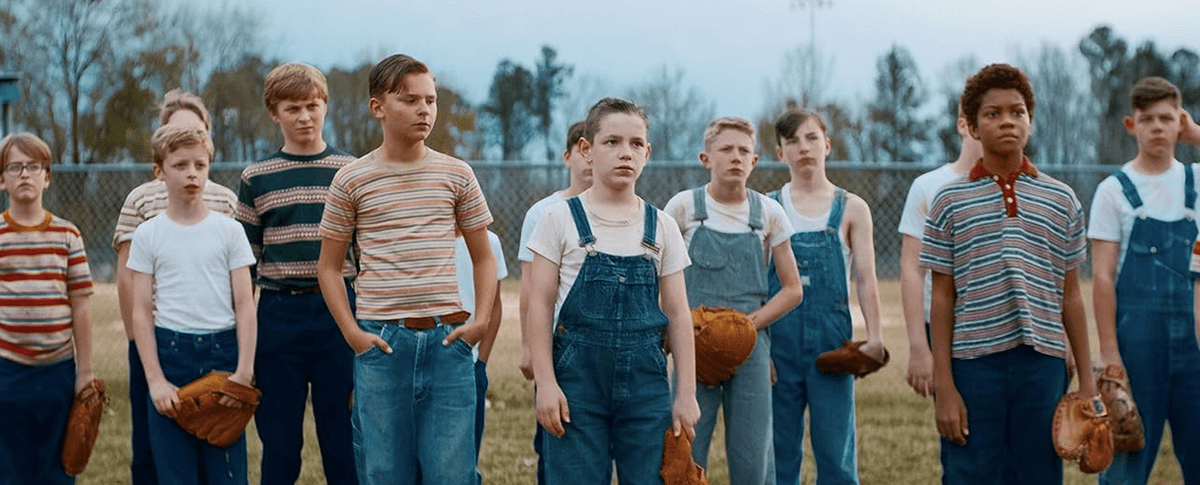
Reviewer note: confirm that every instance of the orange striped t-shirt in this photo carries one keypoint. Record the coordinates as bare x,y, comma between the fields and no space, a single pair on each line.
41,268
404,218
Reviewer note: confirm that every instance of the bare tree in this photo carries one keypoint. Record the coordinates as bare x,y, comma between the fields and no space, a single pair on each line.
677,114
805,73
1066,115
549,76
953,78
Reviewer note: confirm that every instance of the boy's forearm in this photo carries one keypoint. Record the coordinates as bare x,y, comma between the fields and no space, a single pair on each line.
333,286
673,293
912,293
143,330
81,331
941,327
484,263
543,291
1104,298
791,292
246,321
493,329
1075,326
868,301
124,289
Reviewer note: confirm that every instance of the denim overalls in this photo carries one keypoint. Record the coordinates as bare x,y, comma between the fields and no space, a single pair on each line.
729,270
1156,337
821,323
610,365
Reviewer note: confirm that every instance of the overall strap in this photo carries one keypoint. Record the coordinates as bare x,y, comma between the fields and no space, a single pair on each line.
756,217
1131,193
581,223
650,231
699,208
1189,187
835,212
775,194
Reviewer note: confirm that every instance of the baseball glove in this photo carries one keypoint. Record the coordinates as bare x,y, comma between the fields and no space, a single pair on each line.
677,465
848,359
200,412
1123,416
83,425
1081,432
724,339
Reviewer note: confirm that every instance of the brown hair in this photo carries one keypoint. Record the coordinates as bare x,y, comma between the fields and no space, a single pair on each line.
1150,90
789,122
178,99
609,106
169,138
27,143
388,75
293,81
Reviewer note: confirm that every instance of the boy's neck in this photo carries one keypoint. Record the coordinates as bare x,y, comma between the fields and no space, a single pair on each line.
964,162
304,149
1150,165
611,200
732,193
808,180
187,212
574,189
397,151
27,214
1003,164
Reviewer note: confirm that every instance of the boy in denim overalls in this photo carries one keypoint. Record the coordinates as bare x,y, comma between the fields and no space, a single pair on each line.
1143,225
726,227
602,259
828,243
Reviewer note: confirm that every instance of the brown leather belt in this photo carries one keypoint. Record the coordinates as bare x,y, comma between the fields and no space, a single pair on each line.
426,323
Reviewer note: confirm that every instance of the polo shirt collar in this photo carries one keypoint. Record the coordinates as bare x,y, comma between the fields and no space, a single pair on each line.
979,171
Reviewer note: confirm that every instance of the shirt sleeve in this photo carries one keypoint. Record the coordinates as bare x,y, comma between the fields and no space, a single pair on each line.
128,220
680,208
141,258
341,214
240,254
674,251
1076,235
79,276
247,214
471,209
498,251
779,226
1105,222
916,208
532,216
937,248
548,239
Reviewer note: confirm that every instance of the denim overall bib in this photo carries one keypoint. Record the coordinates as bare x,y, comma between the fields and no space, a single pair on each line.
820,323
1156,336
730,270
609,362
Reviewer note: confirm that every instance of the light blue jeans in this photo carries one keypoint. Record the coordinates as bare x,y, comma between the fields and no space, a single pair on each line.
746,401
414,409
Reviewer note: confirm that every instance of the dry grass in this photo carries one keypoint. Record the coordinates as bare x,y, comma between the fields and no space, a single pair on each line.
896,435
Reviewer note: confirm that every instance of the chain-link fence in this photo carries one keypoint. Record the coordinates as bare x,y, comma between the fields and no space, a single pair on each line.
91,196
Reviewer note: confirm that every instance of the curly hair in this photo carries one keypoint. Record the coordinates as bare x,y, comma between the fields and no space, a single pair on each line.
994,76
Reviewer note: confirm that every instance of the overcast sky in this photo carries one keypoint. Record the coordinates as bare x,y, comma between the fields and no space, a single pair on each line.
727,48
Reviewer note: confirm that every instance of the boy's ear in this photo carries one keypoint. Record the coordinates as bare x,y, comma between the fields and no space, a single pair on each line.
828,145
1129,124
158,172
375,105
704,160
585,149
964,128
779,152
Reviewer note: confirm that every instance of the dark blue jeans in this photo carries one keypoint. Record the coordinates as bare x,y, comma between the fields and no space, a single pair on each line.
481,387
299,344
179,457
34,403
141,463
1010,399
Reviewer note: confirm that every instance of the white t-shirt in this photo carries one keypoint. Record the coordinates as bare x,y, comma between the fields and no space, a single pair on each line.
190,266
809,224
916,210
1162,198
556,239
730,218
466,274
532,216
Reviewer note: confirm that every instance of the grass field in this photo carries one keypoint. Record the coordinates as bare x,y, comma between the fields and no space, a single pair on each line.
897,440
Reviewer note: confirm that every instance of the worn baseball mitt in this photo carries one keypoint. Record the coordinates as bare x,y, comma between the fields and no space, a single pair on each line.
677,465
83,425
200,413
724,339
1081,432
1123,416
848,359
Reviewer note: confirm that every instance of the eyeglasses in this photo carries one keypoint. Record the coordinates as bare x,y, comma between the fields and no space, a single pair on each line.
17,168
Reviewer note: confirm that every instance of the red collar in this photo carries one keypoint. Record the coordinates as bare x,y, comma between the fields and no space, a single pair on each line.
1027,168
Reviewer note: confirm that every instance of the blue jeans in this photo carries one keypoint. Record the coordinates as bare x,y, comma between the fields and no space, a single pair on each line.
179,457
414,409
299,344
35,401
1162,359
141,463
746,402
620,403
481,387
830,403
1010,399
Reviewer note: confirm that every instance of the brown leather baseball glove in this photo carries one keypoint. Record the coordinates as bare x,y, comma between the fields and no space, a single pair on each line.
677,465
200,413
724,339
1081,432
83,425
848,359
1123,416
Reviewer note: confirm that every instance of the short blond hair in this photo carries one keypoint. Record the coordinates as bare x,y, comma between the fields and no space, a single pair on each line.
169,138
293,81
715,127
178,99
29,144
